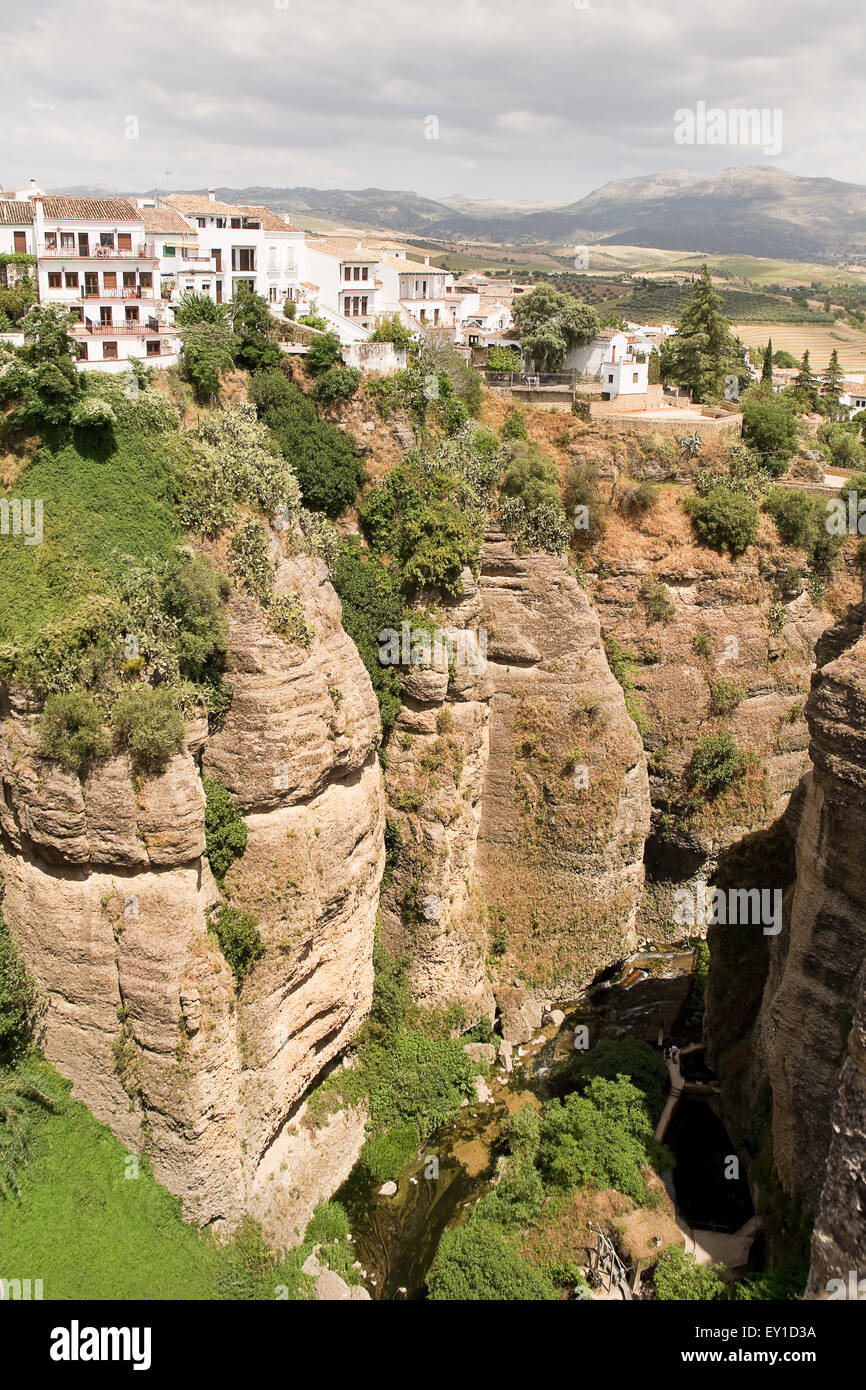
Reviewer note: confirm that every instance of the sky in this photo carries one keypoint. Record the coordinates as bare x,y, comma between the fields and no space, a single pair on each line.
540,100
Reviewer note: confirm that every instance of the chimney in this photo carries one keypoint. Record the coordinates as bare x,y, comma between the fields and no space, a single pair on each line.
33,184
211,193
358,244
426,260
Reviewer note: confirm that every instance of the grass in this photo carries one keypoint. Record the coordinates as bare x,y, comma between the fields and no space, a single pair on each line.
88,1231
96,510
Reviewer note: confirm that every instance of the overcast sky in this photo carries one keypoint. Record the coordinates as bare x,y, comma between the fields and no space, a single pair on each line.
534,99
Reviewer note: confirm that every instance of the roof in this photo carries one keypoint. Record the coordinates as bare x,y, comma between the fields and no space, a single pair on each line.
340,254
15,212
606,335
194,204
162,219
90,210
271,221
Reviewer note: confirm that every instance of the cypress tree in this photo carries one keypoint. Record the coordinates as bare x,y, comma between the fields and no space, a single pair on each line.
703,346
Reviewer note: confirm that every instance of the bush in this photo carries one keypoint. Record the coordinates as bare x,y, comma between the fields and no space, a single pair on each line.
514,426
799,518
504,359
386,1155
207,351
225,830
194,596
328,468
635,502
290,309
657,599
582,490
474,1263
679,1276
71,732
391,330
725,695
322,354
19,1002
313,321
372,602
150,723
91,413
716,763
532,476
642,1064
771,430
336,384
725,520
238,935
598,1139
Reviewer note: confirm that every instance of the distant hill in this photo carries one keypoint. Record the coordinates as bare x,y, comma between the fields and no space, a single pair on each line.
757,211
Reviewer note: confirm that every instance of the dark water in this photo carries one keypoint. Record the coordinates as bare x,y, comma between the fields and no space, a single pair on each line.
703,1150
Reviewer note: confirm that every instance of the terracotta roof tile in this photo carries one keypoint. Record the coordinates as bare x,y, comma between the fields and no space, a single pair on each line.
90,209
15,212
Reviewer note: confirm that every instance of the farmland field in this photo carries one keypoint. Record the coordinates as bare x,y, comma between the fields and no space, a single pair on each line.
819,339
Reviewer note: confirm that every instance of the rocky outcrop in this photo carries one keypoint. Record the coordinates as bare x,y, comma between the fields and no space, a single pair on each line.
519,789
107,891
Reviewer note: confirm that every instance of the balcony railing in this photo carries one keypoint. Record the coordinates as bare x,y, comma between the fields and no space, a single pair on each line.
124,293
94,253
113,330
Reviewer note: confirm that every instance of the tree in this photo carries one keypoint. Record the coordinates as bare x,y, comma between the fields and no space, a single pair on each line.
781,358
255,327
19,1002
678,1276
807,383
725,520
767,369
47,337
391,330
703,346
833,381
207,351
328,466
550,324
532,476
770,428
322,353
199,308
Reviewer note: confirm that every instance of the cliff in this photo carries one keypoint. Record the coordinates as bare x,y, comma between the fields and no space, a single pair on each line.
107,890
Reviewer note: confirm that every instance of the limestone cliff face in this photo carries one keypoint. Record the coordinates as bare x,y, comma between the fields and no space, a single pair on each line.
106,891
521,793
810,1031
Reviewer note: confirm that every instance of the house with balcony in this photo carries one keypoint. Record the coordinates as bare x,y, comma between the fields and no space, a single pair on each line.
348,284
94,260
16,239
182,266
243,246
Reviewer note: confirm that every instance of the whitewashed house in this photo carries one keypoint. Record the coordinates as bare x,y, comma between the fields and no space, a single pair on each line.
16,239
610,345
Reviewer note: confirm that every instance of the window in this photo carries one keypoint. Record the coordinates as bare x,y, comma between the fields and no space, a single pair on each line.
77,312
363,304
365,272
243,258
347,275
169,250
109,280
153,347
50,241
357,273
72,279
129,279
55,279
81,351
105,313
131,312
109,352
67,241
146,280
19,243
236,221
220,221
634,376
201,222
124,241
610,378
107,239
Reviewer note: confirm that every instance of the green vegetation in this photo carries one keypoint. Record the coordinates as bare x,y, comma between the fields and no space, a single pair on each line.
324,458
336,384
801,520
770,428
71,731
716,763
514,425
724,519
238,935
702,349
19,1001
149,722
225,830
725,696
372,602
657,599
391,330
550,324
679,1276
503,359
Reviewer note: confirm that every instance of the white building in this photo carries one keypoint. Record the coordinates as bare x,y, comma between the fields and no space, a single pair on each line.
242,246
626,377
16,239
92,258
610,345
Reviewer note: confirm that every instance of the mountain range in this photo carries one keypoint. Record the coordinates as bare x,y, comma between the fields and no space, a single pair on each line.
754,210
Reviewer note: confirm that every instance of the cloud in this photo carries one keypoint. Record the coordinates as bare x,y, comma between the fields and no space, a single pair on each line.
538,100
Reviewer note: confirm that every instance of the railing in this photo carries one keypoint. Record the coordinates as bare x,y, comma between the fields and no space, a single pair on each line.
94,253
112,330
530,379
137,293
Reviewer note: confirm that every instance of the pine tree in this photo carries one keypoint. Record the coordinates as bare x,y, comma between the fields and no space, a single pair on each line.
702,347
806,382
833,380
767,369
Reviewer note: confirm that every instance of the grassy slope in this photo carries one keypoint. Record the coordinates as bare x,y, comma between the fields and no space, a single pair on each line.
89,524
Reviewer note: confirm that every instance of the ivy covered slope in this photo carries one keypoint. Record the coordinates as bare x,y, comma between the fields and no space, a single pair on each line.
171,659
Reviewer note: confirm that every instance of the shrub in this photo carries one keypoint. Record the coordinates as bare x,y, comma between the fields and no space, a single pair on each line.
725,695
290,309
504,359
324,457
313,321
238,935
19,1002
71,732
207,352
514,426
386,1155
391,330
336,384
679,1276
475,1263
597,1139
250,560
630,1057
194,596
91,413
637,501
770,428
149,722
716,763
372,602
532,476
322,354
225,830
286,616
725,520
799,518
582,490
657,599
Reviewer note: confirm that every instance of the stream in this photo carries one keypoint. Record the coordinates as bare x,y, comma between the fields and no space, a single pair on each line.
396,1238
